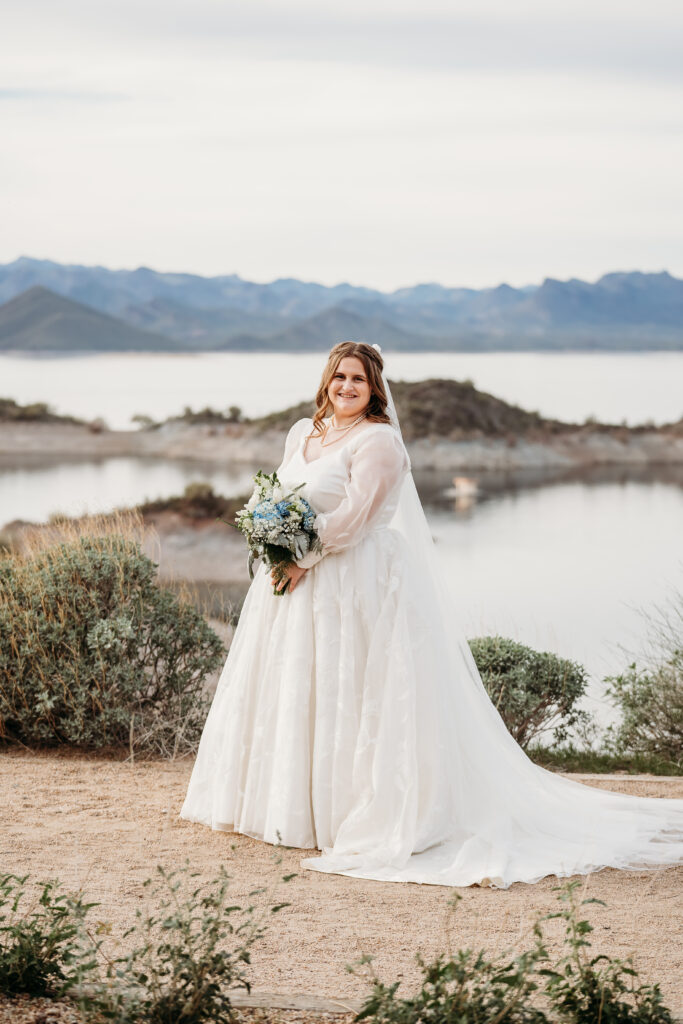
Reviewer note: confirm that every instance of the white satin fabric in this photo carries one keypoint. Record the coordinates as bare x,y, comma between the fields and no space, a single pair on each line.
350,716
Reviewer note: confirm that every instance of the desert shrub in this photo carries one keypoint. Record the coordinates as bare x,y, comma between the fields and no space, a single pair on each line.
467,988
41,952
198,501
470,987
209,415
192,949
650,698
584,989
93,653
40,412
534,691
651,706
144,421
189,949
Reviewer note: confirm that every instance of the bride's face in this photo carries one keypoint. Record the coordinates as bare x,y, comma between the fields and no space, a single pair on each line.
349,390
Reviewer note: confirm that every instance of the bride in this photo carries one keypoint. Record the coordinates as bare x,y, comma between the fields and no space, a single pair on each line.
350,716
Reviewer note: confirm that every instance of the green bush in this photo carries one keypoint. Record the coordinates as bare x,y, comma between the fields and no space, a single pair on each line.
40,949
188,950
469,988
533,691
198,501
191,946
583,989
93,653
651,706
194,948
524,988
40,412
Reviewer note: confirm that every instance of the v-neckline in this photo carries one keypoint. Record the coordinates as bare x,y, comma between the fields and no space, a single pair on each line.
341,447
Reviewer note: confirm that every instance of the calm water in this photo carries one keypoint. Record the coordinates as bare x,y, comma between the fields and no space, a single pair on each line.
570,568
571,386
34,489
568,565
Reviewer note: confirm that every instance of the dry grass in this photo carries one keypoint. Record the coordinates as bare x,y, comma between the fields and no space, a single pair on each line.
44,539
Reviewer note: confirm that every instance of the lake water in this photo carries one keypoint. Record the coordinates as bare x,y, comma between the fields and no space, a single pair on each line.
565,566
573,568
568,565
635,387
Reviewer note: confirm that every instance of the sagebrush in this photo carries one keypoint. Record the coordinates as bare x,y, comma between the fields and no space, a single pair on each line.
649,695
534,691
94,653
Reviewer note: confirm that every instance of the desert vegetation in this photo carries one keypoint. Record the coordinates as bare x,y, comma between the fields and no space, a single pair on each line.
198,501
538,695
205,416
32,412
190,950
94,653
533,691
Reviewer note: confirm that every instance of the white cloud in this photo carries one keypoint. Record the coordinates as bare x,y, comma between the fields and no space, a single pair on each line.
189,137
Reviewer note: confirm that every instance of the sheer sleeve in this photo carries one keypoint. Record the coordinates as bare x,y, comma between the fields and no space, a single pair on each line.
377,466
295,434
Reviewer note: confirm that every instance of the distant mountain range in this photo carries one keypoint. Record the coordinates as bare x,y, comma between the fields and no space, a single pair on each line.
39,320
48,306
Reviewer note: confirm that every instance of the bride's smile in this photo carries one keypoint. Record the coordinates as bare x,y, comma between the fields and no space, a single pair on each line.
349,390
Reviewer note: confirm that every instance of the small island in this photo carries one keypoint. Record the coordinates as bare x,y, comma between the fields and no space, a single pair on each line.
447,425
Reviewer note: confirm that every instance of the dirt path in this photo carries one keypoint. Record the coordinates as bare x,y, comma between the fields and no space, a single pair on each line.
104,825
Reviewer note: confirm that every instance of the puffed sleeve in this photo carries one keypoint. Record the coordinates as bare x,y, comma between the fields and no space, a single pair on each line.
378,463
295,434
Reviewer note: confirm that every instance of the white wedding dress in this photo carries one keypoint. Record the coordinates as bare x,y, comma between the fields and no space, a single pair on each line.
350,716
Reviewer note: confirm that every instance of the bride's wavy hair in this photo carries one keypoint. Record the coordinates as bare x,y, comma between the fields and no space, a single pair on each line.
374,365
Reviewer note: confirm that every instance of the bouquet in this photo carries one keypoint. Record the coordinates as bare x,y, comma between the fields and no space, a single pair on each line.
278,526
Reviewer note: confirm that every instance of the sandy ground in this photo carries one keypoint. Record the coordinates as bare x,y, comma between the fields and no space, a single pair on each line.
103,825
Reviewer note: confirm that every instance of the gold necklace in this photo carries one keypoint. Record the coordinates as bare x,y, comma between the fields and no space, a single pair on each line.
343,430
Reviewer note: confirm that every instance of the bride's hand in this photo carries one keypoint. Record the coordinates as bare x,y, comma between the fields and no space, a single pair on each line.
292,572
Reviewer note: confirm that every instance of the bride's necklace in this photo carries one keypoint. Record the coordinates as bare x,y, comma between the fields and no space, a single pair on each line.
343,430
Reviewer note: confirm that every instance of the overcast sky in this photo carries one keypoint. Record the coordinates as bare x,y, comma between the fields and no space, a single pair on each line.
383,144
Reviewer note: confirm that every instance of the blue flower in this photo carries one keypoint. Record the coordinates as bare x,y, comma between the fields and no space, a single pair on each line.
264,510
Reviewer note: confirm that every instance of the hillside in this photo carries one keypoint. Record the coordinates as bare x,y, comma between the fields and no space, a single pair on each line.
314,333
442,409
619,312
40,320
433,409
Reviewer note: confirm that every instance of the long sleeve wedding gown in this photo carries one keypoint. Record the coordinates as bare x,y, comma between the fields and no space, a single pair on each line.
350,716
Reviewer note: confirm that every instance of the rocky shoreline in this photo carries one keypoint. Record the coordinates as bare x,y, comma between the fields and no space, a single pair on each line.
247,444
208,553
